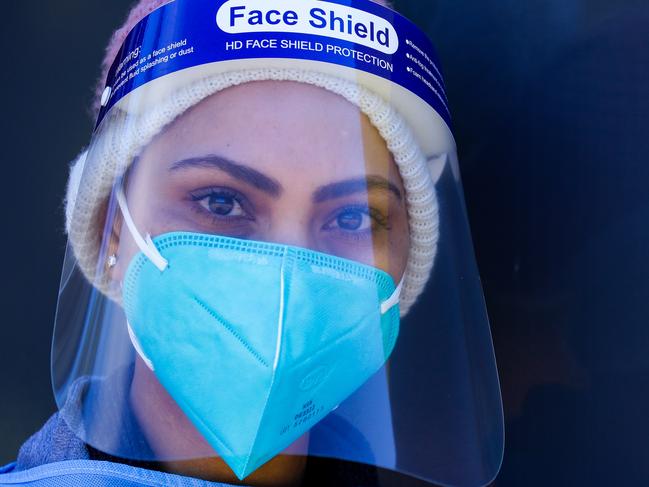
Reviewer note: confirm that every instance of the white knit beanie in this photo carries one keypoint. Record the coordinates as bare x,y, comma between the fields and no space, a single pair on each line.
121,137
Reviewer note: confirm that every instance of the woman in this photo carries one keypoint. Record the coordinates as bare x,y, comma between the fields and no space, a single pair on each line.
245,234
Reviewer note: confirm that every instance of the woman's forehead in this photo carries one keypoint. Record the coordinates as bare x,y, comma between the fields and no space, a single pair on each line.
278,124
279,100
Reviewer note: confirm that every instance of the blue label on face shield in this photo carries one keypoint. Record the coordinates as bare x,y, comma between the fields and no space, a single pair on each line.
357,34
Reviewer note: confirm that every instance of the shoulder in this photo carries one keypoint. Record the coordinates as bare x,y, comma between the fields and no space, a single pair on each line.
80,473
54,442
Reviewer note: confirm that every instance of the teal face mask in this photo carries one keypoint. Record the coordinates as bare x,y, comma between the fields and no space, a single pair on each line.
256,342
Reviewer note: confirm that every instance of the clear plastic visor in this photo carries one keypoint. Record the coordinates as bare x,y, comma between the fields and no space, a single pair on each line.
237,296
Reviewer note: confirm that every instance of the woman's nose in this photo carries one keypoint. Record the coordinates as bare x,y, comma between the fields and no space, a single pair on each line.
294,231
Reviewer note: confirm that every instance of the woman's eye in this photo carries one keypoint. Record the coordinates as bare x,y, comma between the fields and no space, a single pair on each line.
222,205
351,221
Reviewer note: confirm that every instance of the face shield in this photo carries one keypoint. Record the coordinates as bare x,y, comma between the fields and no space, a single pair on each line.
269,264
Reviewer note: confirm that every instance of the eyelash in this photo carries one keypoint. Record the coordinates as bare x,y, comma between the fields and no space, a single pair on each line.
200,194
377,216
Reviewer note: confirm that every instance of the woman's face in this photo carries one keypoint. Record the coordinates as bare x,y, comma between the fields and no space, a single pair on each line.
281,162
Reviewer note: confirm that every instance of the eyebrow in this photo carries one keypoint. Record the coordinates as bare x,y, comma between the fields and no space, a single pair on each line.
351,186
239,171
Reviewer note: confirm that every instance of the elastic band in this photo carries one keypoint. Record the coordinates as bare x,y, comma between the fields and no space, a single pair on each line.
146,245
393,300
138,348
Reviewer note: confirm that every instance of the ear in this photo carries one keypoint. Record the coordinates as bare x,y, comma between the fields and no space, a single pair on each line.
112,247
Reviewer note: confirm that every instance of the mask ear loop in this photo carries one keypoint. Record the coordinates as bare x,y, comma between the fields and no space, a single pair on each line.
145,244
393,300
138,348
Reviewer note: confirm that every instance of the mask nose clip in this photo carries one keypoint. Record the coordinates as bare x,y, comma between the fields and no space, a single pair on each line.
145,244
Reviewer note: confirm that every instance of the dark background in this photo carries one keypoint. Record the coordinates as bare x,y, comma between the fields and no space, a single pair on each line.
551,106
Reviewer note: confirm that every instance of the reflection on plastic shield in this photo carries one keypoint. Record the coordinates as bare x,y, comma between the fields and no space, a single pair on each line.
275,380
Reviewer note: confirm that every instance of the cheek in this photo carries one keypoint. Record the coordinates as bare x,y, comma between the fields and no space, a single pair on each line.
392,249
399,249
125,252
149,218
